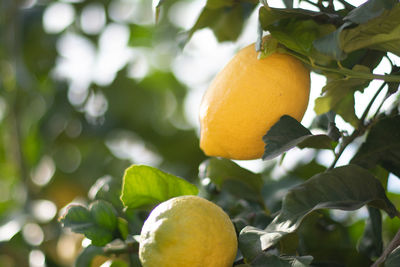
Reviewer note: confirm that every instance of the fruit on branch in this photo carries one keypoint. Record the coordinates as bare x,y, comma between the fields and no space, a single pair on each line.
246,98
188,231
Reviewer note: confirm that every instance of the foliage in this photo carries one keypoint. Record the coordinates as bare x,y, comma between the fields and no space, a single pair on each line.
67,139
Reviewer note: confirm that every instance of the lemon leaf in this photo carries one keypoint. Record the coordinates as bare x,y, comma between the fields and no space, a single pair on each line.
145,185
288,133
226,174
347,188
382,146
394,258
97,223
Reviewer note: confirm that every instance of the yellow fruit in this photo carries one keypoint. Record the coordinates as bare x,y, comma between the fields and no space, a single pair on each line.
246,98
188,231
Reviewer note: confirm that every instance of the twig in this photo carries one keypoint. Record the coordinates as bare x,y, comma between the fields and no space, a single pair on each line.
346,5
359,131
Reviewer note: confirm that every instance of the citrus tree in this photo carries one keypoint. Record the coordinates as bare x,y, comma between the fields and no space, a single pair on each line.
314,214
289,221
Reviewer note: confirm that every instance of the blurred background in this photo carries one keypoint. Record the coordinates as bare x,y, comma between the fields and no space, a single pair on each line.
88,88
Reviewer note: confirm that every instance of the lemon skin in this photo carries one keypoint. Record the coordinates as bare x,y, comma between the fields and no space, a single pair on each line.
188,231
246,98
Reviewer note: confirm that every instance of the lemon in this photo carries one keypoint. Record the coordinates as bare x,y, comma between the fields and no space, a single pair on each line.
187,231
246,98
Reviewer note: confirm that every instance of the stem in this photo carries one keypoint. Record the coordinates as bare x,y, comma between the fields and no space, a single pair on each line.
364,115
392,245
350,73
346,142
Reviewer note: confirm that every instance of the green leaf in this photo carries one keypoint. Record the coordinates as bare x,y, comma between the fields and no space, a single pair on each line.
382,146
119,263
371,243
347,188
381,33
87,255
145,185
98,235
288,133
97,223
227,175
393,260
104,214
123,227
339,96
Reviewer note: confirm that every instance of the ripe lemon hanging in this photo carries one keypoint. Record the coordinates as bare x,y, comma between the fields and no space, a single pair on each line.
188,231
246,98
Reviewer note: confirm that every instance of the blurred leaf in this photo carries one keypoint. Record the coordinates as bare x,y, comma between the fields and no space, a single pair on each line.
371,242
97,223
118,263
230,176
393,260
145,185
288,3
78,218
141,35
381,33
369,10
288,133
306,171
281,261
224,17
382,146
87,255
107,188
329,241
348,188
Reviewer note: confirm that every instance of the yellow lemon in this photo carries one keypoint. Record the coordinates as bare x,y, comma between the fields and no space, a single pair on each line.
188,231
246,98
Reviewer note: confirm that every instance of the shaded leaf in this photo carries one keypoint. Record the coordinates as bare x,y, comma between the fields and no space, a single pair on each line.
330,44
393,260
224,17
347,188
382,146
288,133
381,33
226,174
281,261
369,10
269,16
145,185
